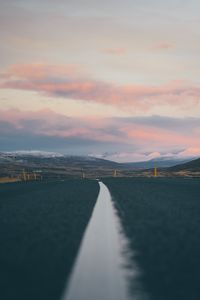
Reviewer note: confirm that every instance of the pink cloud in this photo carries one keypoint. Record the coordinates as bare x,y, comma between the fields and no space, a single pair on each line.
49,123
39,71
158,138
69,82
191,151
162,46
126,132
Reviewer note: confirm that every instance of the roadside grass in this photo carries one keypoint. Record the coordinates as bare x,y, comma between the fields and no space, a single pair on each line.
8,179
41,227
161,218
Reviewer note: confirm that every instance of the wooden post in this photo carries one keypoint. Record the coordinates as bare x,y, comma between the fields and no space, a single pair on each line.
24,175
155,172
115,173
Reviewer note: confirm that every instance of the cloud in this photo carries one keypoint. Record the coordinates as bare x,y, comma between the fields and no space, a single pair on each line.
69,82
190,152
45,130
114,51
48,123
162,46
39,71
181,125
121,139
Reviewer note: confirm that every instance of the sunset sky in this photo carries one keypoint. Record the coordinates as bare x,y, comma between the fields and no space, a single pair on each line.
113,79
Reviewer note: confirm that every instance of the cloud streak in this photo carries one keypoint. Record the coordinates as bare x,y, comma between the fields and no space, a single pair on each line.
128,137
69,82
162,46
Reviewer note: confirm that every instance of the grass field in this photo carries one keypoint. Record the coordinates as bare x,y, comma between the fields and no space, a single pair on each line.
161,218
8,179
41,226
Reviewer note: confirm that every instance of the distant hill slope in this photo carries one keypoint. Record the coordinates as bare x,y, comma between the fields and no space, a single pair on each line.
33,159
51,166
193,165
51,159
159,163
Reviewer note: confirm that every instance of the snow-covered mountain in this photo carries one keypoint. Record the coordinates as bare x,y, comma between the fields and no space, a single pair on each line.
36,153
54,158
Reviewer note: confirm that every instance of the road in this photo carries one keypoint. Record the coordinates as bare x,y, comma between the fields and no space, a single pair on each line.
100,272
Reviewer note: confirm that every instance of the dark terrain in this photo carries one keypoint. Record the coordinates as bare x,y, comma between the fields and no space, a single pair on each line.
193,165
160,217
56,167
13,165
41,227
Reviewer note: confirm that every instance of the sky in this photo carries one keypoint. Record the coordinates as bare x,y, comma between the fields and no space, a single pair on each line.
112,79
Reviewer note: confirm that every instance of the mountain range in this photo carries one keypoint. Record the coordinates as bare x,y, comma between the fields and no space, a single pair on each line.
55,164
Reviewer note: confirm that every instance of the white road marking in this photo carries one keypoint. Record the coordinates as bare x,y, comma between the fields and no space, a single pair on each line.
100,272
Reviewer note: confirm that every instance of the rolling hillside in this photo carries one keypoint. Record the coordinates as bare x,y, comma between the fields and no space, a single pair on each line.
193,166
53,165
13,164
161,162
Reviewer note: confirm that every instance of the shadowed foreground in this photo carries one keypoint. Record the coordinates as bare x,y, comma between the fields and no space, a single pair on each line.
41,227
161,219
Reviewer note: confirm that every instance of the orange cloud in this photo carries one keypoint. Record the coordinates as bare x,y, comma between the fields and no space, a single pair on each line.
69,82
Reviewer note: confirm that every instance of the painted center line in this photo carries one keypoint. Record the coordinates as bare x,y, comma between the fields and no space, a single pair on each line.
100,272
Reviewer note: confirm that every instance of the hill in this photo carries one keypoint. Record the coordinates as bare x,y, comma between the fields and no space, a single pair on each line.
193,166
48,165
161,162
51,166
